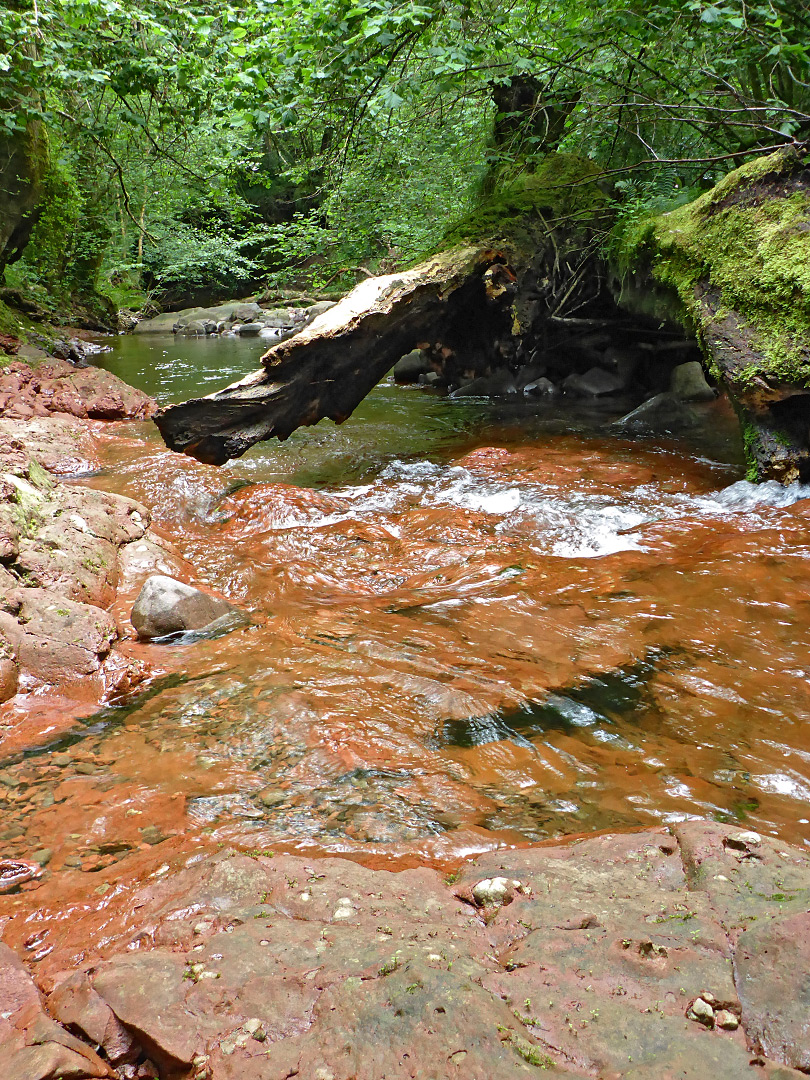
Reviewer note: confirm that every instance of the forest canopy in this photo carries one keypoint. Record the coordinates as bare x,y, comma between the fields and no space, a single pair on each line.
184,151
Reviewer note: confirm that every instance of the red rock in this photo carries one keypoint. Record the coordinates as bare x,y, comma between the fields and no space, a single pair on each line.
76,1004
33,1047
772,965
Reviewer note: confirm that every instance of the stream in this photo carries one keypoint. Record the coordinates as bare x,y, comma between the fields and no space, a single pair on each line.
474,623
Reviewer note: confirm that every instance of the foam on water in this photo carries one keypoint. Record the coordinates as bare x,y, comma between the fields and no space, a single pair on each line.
570,524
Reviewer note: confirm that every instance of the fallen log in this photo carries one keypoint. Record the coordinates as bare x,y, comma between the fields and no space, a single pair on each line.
456,301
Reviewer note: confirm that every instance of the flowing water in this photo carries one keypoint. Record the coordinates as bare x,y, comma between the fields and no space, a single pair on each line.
474,623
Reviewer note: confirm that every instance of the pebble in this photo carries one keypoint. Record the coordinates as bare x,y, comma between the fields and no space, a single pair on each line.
726,1020
345,908
271,797
255,1028
495,891
701,1011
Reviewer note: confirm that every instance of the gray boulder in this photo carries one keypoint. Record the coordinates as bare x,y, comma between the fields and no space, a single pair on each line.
499,384
540,388
529,373
280,318
249,329
411,366
195,328
688,383
167,606
318,309
660,413
245,313
596,382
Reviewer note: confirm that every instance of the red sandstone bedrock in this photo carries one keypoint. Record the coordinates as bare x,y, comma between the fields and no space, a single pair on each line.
66,551
262,968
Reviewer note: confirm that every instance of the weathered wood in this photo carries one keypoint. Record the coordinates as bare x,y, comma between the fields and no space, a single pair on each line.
456,300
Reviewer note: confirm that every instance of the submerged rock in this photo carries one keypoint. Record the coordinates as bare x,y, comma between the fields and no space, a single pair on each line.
660,413
167,606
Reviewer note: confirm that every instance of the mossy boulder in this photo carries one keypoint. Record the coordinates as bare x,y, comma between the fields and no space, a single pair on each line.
734,265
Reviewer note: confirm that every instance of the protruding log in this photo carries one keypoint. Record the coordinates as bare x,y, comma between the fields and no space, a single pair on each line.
459,300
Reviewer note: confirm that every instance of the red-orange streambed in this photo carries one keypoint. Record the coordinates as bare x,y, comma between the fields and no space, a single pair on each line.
512,635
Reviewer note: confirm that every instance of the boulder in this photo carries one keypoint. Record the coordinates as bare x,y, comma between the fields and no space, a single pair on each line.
279,318
245,313
688,383
195,328
540,388
167,606
529,373
596,382
318,309
660,413
498,384
249,329
411,366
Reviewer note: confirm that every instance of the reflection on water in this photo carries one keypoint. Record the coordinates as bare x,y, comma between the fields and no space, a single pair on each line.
472,623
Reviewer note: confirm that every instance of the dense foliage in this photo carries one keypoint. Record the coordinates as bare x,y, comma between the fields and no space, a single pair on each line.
193,149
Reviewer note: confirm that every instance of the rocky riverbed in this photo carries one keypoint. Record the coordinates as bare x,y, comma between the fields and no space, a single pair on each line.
136,946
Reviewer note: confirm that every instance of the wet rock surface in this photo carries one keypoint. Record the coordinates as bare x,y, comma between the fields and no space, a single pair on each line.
55,386
59,568
64,549
630,955
167,606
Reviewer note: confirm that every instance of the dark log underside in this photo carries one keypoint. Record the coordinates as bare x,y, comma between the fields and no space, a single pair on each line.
458,301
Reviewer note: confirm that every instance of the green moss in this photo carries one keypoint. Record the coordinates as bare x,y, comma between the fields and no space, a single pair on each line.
10,322
38,476
561,190
753,251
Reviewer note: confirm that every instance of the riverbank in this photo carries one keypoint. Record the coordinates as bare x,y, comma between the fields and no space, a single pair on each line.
71,557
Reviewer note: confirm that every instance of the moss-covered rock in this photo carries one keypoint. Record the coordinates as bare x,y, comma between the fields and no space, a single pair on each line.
735,265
